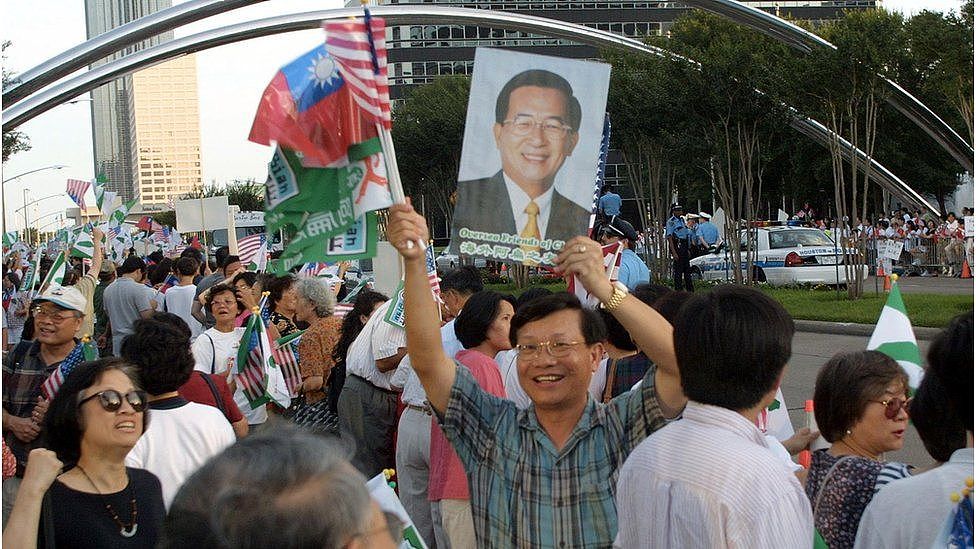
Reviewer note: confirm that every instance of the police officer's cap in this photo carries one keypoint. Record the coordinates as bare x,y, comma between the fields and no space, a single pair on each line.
622,228
676,206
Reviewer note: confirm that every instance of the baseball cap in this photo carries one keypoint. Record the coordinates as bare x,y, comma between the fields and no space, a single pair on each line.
621,227
704,215
66,297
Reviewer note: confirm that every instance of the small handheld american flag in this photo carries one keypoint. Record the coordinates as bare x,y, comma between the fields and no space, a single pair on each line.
435,283
81,353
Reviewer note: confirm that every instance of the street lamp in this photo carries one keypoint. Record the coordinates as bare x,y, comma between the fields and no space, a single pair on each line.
18,176
31,203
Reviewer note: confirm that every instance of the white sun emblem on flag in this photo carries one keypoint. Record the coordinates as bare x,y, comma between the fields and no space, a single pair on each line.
324,71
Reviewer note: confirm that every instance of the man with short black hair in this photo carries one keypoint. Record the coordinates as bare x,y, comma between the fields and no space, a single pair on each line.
179,299
127,300
182,435
710,480
544,476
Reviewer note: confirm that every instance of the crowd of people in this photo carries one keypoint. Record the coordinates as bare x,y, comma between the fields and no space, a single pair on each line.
527,421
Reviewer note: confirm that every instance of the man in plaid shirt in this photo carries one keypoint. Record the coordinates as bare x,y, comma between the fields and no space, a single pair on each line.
58,314
545,476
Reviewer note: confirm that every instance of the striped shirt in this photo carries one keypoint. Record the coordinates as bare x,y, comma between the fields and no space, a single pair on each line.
710,480
525,492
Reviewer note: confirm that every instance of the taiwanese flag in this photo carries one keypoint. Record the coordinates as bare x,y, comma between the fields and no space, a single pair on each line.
307,107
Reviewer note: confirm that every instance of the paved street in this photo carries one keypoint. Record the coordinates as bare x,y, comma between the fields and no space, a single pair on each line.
928,285
810,352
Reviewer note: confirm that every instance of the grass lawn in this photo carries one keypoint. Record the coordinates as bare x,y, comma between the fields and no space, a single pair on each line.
932,310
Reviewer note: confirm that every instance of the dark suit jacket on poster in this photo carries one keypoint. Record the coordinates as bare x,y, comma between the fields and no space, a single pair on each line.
484,205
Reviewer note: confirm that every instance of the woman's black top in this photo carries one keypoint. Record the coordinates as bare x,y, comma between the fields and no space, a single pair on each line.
80,520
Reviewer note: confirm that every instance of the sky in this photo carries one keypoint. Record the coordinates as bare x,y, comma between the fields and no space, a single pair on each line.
231,79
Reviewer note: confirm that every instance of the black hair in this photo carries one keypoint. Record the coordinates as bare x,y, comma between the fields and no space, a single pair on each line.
617,335
951,358
530,294
174,321
649,293
156,256
670,303
591,325
481,309
162,353
192,253
187,266
162,270
940,429
731,344
351,324
845,386
542,79
464,280
219,289
249,278
63,428
228,261
131,265
276,287
221,254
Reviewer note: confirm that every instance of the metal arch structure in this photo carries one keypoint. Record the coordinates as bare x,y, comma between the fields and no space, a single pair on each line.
194,10
41,101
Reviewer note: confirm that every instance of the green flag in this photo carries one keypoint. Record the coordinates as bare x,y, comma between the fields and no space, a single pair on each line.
893,336
123,210
30,275
9,239
55,275
84,246
355,242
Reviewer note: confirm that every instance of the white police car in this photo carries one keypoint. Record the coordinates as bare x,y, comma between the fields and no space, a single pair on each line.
784,255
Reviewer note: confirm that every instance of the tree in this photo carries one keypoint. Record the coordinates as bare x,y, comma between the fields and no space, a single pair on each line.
13,141
428,131
247,194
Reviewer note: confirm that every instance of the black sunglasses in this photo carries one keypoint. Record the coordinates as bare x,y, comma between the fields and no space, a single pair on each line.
111,400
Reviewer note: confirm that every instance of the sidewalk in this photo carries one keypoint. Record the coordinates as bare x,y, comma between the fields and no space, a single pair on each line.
854,329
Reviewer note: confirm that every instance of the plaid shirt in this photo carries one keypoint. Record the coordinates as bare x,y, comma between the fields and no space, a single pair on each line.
21,387
524,492
624,373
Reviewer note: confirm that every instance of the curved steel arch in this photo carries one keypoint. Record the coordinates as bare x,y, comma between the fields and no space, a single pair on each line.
771,25
42,101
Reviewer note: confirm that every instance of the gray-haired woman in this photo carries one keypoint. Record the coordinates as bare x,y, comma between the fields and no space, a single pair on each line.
314,303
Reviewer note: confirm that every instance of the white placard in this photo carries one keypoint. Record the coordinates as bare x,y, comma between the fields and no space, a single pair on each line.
201,214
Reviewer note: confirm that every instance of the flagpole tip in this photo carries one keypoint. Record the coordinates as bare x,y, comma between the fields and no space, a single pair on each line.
894,278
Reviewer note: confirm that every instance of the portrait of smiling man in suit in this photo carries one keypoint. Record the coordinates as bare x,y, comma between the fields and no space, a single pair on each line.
536,129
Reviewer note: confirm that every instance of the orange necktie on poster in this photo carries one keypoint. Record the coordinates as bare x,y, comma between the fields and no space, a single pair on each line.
531,229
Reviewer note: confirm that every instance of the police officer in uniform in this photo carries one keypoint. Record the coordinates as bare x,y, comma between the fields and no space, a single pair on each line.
680,238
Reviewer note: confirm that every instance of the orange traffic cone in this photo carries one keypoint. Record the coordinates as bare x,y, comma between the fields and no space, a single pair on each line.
887,283
965,270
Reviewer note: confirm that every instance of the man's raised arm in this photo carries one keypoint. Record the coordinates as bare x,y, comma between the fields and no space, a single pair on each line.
650,331
407,231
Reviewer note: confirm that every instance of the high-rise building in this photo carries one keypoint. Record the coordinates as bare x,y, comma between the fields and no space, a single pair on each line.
145,126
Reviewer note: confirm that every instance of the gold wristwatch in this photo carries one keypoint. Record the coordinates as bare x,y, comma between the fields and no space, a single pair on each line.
620,291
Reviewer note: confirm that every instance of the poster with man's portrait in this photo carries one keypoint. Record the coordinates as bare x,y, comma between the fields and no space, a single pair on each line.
530,155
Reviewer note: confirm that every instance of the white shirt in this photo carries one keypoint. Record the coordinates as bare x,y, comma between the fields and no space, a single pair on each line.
709,480
519,200
179,301
910,512
181,437
214,352
404,375
378,340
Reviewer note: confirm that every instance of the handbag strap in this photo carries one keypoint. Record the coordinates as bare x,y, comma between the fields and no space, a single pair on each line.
823,484
216,394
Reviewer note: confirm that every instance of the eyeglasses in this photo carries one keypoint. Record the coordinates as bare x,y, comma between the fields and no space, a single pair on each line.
893,406
556,349
111,400
54,315
225,302
523,124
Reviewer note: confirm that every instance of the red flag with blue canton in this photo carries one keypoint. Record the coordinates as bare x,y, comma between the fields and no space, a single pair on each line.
308,108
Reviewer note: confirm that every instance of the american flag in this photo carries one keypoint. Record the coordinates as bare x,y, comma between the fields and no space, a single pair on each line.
342,309
79,354
248,246
76,190
361,55
435,283
252,361
160,233
284,357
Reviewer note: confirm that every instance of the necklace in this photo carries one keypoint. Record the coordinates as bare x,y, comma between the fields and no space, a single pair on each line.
124,531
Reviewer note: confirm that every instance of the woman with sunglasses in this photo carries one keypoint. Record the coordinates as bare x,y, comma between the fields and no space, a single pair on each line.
97,416
861,407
